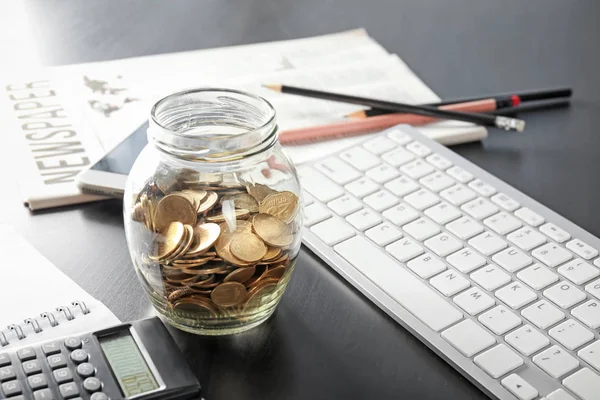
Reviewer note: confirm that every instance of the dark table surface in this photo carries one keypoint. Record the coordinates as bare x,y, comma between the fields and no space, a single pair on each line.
327,341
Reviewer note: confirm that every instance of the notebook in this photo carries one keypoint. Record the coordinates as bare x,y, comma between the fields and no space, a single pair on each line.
39,303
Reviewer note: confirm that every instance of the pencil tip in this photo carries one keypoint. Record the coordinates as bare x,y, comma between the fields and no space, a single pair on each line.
357,114
274,87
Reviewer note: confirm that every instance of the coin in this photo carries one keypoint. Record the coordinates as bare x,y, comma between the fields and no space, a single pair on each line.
240,275
223,217
257,294
222,249
282,205
228,294
205,235
195,304
238,225
197,195
272,254
174,208
185,243
208,203
258,191
272,230
179,293
219,269
171,239
242,200
261,272
276,272
247,247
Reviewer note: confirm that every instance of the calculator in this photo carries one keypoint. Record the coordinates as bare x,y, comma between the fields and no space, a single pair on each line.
137,360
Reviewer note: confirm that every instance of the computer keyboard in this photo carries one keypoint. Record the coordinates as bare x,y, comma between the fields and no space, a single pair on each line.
501,287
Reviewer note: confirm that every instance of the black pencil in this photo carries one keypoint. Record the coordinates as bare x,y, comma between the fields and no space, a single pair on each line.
506,123
540,105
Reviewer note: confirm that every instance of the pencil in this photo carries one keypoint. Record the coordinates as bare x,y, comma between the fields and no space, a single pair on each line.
509,124
504,100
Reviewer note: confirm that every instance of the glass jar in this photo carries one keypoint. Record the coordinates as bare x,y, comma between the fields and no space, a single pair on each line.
213,211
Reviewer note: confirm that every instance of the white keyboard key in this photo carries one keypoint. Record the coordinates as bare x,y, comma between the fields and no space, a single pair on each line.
555,233
465,227
398,156
588,313
402,186
559,394
363,219
526,238
516,295
571,334
399,137
345,205
488,243
552,254
498,361
419,149
466,260
499,320
337,170
537,276
442,213
502,223
564,294
482,187
417,169
505,201
582,249
527,340
460,174
382,173
519,387
449,283
594,288
308,199
422,199
443,244
361,187
359,158
474,301
314,213
421,229
404,249
556,361
426,265
437,181
543,314
591,354
468,338
479,208
458,194
530,217
401,214
399,283
439,161
317,184
584,383
379,145
332,231
381,200
512,259
384,234
578,271
490,277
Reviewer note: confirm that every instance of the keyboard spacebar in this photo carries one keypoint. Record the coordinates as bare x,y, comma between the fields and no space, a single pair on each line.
398,283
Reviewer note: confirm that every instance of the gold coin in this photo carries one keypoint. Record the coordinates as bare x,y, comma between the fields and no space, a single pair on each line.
276,272
197,195
205,236
256,294
170,240
240,275
272,230
203,280
259,192
195,304
208,203
261,273
219,269
179,293
242,200
282,205
185,243
223,250
228,294
247,247
222,217
237,226
272,254
174,208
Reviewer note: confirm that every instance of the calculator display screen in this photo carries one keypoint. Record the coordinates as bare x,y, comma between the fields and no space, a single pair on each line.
128,364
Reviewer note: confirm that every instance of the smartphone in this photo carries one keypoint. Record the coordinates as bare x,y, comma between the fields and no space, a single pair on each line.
107,177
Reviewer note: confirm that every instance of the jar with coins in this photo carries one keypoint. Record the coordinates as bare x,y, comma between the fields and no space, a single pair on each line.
213,211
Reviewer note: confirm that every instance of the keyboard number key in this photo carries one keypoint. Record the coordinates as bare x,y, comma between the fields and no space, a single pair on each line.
439,161
419,149
506,202
530,217
384,234
460,174
582,249
527,238
458,194
578,271
482,188
552,254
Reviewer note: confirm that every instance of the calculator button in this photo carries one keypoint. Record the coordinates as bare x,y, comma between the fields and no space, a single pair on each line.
68,390
4,359
51,348
73,343
57,361
99,396
32,367
63,375
79,356
26,353
85,370
37,382
11,388
44,394
7,374
92,384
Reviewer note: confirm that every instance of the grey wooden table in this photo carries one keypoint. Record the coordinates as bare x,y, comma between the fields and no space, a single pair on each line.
326,341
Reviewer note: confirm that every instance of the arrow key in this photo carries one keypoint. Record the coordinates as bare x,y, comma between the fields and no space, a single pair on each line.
519,387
